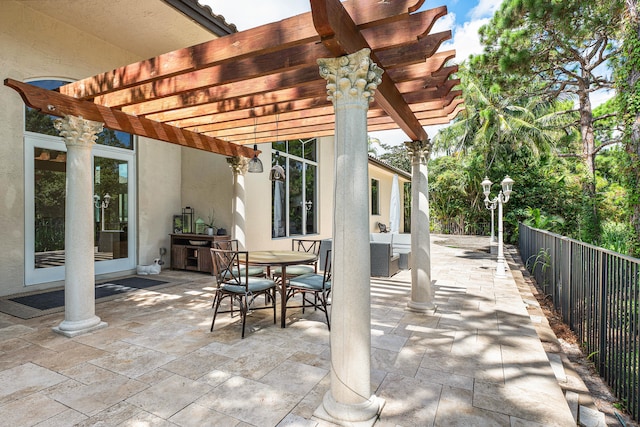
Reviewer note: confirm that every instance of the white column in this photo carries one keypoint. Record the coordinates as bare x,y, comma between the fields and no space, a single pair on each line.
352,80
421,290
79,287
239,167
501,266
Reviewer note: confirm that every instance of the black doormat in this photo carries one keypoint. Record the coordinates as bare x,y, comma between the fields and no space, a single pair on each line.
33,305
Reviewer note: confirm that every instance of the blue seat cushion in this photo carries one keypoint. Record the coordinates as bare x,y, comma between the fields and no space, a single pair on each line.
253,271
256,284
313,282
296,270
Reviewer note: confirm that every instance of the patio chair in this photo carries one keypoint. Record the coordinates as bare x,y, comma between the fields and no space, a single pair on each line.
317,284
232,245
301,245
237,286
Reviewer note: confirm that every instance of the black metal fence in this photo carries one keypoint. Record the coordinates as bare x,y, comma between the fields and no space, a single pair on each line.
596,292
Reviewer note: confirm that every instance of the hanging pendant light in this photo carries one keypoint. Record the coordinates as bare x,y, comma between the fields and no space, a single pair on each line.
255,165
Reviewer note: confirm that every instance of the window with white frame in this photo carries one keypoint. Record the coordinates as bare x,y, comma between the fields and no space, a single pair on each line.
294,188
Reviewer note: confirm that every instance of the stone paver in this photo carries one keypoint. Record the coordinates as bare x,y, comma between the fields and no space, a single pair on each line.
477,361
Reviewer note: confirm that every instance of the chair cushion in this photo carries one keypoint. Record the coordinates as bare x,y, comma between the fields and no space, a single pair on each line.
313,282
253,271
295,270
256,284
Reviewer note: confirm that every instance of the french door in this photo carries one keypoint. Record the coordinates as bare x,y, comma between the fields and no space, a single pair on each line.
45,195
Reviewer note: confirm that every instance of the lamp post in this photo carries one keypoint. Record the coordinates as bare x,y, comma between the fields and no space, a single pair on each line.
102,206
492,208
499,200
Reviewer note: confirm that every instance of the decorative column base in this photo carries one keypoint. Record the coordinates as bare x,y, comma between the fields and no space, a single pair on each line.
364,414
422,307
72,329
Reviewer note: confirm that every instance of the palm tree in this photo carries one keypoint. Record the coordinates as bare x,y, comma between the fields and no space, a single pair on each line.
499,126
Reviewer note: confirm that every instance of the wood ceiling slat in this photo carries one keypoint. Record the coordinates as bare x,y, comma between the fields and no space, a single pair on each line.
207,95
388,35
271,37
238,114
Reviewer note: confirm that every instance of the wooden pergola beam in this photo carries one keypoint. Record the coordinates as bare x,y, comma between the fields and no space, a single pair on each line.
57,104
340,35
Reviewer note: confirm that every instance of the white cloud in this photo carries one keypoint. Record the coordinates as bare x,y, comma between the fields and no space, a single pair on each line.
485,9
466,40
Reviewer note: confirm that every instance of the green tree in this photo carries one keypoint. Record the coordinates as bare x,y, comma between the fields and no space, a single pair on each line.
627,66
562,46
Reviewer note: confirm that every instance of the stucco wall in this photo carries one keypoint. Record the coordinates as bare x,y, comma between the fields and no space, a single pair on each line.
34,46
207,184
385,177
159,190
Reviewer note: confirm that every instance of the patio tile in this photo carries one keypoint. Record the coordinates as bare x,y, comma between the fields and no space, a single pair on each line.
250,401
476,361
166,398
409,401
197,415
26,379
133,361
299,378
456,409
41,408
196,364
94,397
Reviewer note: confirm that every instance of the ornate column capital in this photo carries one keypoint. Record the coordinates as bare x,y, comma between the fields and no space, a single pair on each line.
238,164
352,77
418,150
77,131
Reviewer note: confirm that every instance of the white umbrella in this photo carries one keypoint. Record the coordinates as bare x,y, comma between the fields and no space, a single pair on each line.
394,207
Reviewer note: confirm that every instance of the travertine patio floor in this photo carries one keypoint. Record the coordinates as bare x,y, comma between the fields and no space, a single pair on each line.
477,361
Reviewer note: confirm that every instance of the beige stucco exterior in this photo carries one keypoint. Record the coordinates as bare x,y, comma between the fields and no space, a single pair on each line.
169,177
385,177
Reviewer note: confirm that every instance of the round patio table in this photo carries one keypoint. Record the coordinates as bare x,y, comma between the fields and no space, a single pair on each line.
281,259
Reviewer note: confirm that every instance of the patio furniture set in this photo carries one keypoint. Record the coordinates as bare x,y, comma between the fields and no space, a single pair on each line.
390,253
242,276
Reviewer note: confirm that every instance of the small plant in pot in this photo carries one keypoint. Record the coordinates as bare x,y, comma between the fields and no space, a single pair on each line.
210,224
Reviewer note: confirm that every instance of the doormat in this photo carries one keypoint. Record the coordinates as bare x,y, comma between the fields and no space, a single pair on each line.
40,304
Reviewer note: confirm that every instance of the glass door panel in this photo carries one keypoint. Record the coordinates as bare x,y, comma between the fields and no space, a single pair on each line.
111,216
49,177
310,198
296,196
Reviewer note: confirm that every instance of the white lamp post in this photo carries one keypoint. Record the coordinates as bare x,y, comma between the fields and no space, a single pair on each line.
502,197
105,204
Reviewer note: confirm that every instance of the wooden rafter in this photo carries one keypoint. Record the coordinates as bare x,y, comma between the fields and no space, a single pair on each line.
263,83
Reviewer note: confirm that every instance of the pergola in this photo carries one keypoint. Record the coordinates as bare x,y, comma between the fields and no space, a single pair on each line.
378,62
261,84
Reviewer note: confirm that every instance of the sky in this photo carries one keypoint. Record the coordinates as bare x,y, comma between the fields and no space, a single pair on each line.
464,19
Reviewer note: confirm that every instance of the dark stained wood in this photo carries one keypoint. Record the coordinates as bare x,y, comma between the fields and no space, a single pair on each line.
51,102
339,33
264,84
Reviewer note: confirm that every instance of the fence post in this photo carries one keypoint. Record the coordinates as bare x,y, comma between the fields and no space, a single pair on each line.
602,326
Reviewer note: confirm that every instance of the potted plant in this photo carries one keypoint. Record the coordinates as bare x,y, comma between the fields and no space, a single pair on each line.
210,224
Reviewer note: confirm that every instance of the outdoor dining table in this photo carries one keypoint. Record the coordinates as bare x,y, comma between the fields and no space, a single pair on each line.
281,259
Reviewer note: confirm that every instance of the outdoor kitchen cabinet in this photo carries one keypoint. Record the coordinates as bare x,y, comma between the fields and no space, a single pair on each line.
191,251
